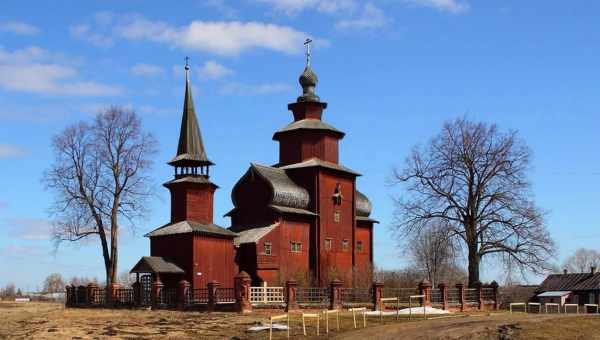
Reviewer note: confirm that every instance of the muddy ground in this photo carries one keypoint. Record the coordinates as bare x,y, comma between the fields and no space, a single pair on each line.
53,321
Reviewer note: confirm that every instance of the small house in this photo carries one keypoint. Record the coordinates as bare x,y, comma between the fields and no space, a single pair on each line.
576,288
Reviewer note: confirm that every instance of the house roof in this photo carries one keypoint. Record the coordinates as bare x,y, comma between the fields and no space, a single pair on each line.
156,264
185,227
308,124
570,281
190,150
253,235
554,294
315,162
285,192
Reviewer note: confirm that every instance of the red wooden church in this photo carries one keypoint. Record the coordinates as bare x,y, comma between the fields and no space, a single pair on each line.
302,218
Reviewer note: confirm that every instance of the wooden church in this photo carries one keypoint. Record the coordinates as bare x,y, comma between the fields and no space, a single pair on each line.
302,218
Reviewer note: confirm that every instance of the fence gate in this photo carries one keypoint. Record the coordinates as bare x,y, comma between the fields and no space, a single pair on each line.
146,290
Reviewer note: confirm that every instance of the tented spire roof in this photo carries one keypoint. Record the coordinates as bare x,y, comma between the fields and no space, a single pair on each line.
190,151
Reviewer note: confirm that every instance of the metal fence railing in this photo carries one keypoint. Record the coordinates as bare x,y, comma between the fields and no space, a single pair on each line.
124,296
471,296
197,296
312,295
487,295
402,293
225,295
436,297
454,297
356,295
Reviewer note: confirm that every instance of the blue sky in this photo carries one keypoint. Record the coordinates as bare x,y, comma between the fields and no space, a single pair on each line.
392,72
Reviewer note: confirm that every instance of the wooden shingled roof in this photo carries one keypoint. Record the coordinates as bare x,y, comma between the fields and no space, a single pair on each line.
156,264
570,281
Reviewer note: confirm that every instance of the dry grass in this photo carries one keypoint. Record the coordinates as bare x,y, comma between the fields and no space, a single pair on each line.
53,321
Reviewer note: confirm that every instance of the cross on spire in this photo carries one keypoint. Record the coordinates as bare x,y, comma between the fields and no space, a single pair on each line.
307,44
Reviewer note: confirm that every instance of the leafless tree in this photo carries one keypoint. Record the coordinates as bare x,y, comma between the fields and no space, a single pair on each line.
54,283
582,260
100,177
472,179
434,254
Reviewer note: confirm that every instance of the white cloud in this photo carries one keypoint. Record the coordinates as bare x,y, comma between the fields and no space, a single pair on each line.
452,6
11,151
370,17
85,33
147,70
293,7
18,27
220,37
213,70
235,88
32,70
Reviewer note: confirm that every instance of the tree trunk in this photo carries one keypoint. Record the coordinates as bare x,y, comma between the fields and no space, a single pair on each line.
474,259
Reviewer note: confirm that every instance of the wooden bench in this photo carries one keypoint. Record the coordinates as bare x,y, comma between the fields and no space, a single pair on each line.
363,310
326,316
278,318
310,316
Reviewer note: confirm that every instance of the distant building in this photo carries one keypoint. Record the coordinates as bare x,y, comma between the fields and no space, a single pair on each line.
575,288
302,218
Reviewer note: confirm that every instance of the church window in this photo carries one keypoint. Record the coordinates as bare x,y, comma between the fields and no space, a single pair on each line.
336,216
359,246
267,248
328,244
295,247
345,244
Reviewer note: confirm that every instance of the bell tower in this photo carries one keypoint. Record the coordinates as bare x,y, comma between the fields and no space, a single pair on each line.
191,190
308,136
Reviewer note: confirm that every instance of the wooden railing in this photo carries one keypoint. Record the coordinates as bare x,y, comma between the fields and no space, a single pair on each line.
267,295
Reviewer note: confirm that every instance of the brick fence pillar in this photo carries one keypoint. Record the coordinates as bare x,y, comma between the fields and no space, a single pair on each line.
91,293
425,290
68,296
377,295
335,294
479,286
444,293
157,287
212,294
291,287
494,286
242,292
82,295
114,296
461,296
183,288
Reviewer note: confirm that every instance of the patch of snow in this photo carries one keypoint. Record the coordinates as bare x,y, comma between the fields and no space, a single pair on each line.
413,311
276,327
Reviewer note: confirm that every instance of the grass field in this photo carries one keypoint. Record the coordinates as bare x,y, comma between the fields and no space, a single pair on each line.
53,321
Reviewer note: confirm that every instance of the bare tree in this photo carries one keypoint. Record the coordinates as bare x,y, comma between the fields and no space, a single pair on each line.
472,179
99,176
434,254
54,283
582,260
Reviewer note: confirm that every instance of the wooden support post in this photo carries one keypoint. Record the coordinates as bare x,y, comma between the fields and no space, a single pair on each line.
444,293
461,296
212,295
291,287
377,295
68,296
242,292
335,294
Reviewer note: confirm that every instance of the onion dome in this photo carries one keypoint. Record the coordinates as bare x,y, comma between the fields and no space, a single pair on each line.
308,80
